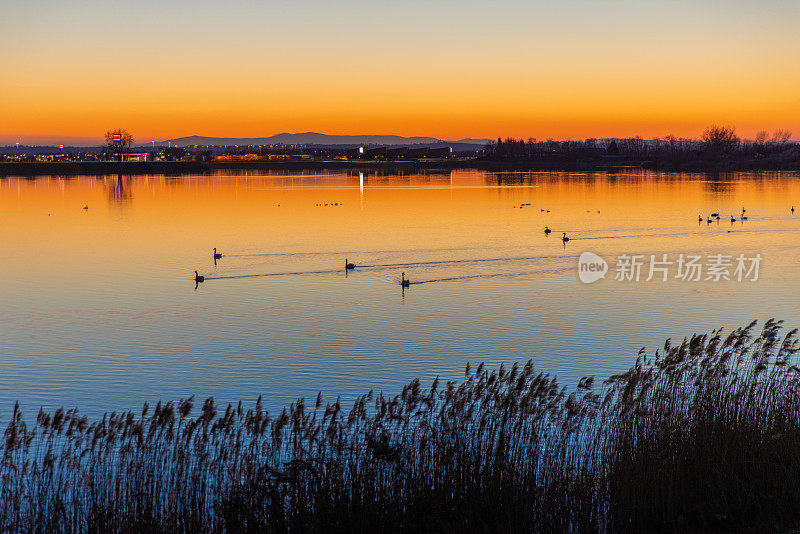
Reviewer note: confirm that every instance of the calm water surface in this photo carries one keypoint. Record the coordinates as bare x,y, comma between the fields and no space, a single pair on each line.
99,309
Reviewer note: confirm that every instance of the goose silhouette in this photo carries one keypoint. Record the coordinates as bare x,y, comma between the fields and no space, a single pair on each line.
547,230
348,265
403,281
216,254
198,278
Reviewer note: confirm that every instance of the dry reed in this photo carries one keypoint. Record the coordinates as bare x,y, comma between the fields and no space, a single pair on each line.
703,434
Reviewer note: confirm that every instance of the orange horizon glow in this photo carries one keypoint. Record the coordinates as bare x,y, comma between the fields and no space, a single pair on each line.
463,70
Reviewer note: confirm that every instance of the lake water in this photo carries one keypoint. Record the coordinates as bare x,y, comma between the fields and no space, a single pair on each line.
99,308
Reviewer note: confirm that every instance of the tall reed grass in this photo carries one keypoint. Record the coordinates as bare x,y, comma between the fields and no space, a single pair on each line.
703,434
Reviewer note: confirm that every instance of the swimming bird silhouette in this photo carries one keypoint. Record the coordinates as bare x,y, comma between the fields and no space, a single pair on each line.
547,230
792,209
565,238
744,217
403,281
86,207
199,277
715,214
348,265
700,218
732,219
216,254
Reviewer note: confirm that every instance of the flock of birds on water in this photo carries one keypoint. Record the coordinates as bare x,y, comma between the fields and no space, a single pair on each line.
404,282
348,266
716,216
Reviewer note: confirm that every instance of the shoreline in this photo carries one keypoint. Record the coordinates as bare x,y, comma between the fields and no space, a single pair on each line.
177,168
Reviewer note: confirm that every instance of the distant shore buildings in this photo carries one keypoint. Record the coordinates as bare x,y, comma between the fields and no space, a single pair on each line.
399,153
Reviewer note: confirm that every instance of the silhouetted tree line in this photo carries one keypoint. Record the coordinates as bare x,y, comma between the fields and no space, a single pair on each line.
719,147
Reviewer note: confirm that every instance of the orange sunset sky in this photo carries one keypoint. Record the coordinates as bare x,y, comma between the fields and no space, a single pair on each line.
443,68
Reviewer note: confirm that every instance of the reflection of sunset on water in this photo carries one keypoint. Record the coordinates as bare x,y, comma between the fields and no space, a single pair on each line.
111,288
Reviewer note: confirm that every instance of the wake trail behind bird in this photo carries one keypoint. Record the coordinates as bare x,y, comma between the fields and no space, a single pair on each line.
362,274
722,225
450,262
489,275
462,261
739,226
361,268
261,275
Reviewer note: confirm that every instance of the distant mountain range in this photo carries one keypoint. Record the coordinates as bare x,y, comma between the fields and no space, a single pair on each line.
318,139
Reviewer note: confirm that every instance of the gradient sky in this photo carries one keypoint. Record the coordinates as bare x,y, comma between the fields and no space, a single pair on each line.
444,68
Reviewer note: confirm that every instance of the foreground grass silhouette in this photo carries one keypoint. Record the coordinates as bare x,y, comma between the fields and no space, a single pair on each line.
704,434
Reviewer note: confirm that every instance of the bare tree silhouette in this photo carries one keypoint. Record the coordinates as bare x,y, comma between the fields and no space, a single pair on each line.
721,139
781,136
118,141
